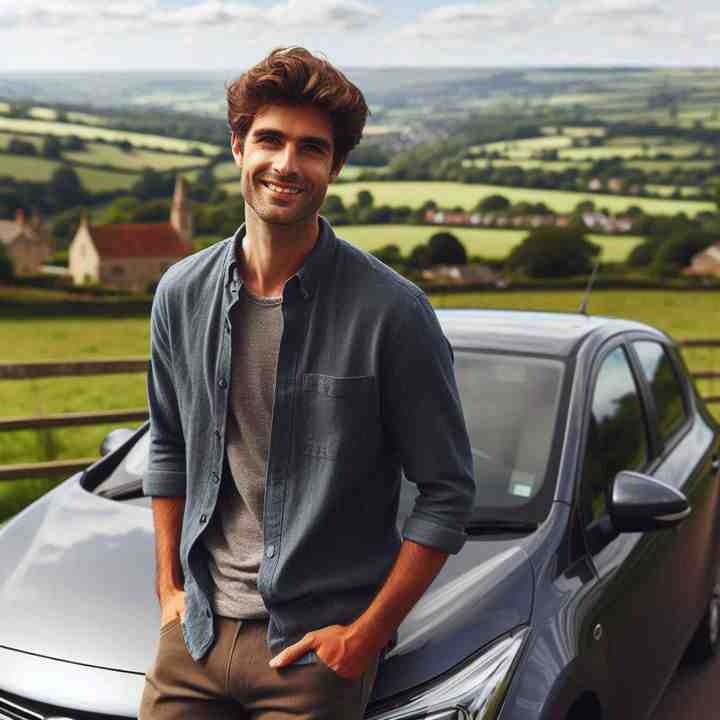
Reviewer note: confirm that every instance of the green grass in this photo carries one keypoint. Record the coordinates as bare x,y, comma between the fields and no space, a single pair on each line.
46,127
668,190
4,107
449,194
626,151
87,118
491,243
6,137
27,167
682,314
549,165
135,159
105,180
43,113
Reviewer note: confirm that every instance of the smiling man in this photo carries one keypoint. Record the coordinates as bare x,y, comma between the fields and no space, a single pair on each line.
293,377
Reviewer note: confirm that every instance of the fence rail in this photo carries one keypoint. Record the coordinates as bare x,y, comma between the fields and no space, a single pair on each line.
25,371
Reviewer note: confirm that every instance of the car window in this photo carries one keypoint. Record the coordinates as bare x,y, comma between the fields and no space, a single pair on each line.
665,386
510,405
617,437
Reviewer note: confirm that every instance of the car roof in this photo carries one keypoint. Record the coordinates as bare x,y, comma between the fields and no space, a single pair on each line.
541,333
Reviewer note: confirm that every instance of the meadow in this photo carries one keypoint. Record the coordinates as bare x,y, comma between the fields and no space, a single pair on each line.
451,194
134,160
491,243
87,132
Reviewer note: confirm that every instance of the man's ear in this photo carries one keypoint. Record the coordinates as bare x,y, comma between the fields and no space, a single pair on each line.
236,148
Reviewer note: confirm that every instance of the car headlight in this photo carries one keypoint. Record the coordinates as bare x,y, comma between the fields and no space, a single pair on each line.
475,691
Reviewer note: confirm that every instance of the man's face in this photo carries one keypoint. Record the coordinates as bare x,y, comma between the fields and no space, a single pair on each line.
286,163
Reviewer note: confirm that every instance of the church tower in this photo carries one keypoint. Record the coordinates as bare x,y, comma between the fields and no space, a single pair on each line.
180,213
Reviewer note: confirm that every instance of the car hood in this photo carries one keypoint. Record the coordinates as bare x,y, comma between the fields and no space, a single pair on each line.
79,587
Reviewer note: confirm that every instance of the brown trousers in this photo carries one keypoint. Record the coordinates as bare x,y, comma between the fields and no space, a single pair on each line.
234,681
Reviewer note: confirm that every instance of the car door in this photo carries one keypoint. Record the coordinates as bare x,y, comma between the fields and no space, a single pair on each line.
685,462
631,613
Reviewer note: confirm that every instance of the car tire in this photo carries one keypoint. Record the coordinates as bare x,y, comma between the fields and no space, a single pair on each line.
705,641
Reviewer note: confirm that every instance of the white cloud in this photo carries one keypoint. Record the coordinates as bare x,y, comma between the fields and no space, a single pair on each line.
471,23
147,14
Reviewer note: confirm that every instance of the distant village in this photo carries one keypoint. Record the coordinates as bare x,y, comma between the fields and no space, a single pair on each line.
133,256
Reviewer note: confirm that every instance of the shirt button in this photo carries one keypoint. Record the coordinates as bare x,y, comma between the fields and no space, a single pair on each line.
215,478
270,551
222,382
203,518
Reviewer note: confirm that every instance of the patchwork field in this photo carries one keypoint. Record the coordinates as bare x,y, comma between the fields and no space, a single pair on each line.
44,127
489,243
449,194
27,167
135,159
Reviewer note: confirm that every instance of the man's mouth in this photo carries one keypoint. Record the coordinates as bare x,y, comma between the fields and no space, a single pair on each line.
283,189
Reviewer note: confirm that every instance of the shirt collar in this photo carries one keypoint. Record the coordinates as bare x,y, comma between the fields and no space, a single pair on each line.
312,270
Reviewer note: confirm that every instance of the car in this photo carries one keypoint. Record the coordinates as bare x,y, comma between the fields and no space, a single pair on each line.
590,569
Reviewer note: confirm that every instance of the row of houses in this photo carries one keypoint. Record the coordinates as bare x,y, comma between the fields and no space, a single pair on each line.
593,220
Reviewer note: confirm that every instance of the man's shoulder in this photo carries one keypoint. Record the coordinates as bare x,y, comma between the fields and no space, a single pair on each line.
360,267
193,271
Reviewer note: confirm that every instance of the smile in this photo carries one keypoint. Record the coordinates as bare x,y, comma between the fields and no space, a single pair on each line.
285,190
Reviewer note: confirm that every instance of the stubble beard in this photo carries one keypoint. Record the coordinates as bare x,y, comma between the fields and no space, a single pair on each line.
278,214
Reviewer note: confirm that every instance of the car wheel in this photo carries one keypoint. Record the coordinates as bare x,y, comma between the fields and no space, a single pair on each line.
704,643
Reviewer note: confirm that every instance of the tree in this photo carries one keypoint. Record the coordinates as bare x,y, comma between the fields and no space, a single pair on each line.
51,147
677,251
365,199
554,252
65,225
16,146
419,257
7,271
390,255
152,185
493,203
65,189
446,249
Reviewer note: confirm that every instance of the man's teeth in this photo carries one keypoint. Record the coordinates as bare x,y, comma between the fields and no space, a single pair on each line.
287,191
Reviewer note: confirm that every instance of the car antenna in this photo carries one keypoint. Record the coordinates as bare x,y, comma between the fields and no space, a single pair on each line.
588,290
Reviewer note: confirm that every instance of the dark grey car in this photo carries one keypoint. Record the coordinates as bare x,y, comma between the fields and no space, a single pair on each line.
590,571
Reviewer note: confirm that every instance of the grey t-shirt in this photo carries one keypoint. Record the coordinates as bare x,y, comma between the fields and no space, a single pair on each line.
234,538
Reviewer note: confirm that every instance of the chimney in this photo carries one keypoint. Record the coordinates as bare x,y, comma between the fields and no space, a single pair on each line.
20,216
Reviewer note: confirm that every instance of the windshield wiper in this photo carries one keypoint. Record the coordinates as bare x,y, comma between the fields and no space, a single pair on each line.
480,527
127,491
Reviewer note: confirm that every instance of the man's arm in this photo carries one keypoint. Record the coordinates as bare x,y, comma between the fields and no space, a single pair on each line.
169,581
165,476
424,419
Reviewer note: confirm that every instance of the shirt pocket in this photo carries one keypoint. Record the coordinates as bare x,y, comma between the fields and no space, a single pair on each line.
339,417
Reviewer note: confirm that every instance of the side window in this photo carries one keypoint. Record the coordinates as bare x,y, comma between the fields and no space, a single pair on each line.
617,436
665,386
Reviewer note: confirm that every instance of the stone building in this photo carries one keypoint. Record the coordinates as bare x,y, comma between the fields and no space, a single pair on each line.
27,243
132,256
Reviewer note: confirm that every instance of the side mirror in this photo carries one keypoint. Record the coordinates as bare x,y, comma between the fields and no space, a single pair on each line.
640,503
114,439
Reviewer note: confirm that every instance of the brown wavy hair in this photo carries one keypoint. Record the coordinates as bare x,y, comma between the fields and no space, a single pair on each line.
294,76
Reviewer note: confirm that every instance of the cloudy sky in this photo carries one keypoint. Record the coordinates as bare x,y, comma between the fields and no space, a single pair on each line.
222,34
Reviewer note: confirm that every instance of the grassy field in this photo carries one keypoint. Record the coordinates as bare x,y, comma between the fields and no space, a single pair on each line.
525,164
6,137
487,242
104,180
135,159
683,314
27,167
449,194
45,127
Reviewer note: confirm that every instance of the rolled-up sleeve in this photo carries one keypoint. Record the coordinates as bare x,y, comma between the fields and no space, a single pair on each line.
166,472
424,417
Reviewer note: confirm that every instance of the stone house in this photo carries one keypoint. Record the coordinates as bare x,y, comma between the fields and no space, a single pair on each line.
132,256
27,243
470,274
706,262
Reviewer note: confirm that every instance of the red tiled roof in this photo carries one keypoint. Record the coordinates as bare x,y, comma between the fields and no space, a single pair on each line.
138,240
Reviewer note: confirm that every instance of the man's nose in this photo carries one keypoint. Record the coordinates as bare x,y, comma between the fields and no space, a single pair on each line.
286,160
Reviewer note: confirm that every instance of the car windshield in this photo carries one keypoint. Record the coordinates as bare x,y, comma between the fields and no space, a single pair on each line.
511,407
510,404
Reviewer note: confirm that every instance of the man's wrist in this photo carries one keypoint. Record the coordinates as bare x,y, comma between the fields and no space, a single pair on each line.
365,634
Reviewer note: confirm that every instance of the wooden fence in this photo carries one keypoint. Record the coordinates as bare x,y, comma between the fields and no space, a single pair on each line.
24,371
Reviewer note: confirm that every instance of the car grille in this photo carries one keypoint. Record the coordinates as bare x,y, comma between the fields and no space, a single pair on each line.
13,707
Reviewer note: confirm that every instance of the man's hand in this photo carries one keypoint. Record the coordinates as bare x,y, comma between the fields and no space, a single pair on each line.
172,605
338,646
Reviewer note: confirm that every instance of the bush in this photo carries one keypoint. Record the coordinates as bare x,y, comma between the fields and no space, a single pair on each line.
446,249
7,271
554,252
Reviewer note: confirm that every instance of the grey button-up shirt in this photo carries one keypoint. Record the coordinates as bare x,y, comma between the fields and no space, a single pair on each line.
365,387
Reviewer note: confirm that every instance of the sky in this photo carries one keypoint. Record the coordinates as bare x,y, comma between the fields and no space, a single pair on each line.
70,35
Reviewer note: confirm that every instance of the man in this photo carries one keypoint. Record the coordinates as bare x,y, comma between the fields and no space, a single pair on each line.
292,377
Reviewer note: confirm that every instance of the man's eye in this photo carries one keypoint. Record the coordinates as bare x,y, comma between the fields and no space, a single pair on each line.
314,148
269,140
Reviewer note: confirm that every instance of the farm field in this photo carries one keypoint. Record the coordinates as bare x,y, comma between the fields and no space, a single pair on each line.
34,139
550,165
27,167
134,160
491,243
450,194
105,180
46,127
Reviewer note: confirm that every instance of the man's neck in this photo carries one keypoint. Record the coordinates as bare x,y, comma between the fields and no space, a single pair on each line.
272,254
